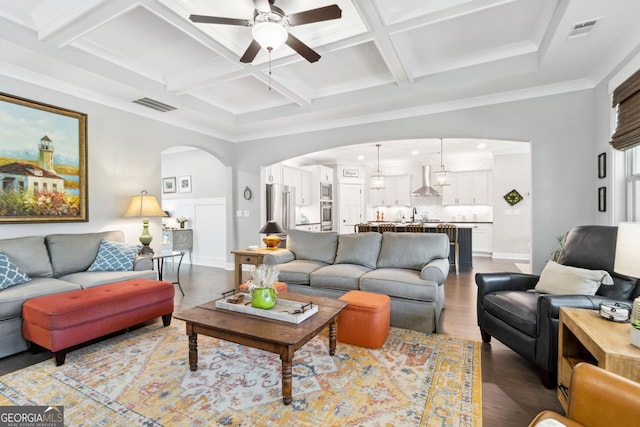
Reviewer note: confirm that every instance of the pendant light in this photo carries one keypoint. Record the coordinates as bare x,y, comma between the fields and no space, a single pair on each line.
441,174
377,180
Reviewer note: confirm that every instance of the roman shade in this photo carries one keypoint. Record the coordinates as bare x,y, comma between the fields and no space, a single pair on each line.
627,98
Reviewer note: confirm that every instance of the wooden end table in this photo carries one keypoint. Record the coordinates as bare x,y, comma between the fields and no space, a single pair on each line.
584,336
246,256
274,336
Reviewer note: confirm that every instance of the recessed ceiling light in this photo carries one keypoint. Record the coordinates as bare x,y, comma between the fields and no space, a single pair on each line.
360,157
415,152
482,146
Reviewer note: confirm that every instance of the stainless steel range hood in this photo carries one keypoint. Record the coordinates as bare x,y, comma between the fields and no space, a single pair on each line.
426,190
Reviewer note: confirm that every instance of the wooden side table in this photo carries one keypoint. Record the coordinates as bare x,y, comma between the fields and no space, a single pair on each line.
584,336
246,256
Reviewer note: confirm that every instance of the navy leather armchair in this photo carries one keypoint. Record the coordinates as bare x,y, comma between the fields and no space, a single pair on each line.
526,321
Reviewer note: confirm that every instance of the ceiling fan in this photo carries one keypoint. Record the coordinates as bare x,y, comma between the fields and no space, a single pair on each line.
270,25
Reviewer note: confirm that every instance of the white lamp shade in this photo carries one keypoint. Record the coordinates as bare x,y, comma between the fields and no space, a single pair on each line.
627,261
144,206
269,35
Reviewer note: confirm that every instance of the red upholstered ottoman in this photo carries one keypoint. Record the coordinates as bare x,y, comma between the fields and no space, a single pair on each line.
365,321
59,321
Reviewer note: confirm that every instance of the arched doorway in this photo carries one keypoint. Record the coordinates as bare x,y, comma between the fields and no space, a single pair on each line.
195,185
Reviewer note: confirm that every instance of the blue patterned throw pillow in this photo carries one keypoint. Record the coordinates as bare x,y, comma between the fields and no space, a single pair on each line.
10,274
115,256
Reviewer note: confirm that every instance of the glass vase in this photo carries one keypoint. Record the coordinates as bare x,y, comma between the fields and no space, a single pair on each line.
263,298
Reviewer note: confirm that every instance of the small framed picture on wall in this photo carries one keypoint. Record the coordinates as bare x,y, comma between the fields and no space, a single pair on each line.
184,184
602,199
602,165
169,185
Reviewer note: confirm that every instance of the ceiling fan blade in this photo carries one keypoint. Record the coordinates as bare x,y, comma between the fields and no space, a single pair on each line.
251,52
325,13
303,50
204,19
262,5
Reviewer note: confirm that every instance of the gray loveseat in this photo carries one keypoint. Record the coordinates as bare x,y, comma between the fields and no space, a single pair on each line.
409,267
55,263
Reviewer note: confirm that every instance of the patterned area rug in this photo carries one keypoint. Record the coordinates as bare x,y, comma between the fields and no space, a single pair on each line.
143,378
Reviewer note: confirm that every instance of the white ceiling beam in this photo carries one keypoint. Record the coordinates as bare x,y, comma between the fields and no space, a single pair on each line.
63,28
552,29
380,36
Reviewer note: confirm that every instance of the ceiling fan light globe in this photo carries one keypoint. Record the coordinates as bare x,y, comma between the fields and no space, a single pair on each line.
269,35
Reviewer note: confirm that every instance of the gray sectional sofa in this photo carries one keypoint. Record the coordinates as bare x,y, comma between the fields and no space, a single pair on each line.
55,263
409,267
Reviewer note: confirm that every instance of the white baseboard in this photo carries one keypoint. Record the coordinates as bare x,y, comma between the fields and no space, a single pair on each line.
210,261
510,255
482,254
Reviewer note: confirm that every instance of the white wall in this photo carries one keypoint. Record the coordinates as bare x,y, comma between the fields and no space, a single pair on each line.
566,132
511,224
205,206
209,177
560,129
605,125
123,159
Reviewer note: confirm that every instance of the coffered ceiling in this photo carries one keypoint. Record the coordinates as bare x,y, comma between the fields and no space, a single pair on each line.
383,58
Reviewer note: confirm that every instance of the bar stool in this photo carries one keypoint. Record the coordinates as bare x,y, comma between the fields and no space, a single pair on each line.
415,228
452,232
360,228
383,228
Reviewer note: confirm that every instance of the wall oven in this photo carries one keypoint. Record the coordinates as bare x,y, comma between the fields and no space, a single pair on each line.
326,191
326,216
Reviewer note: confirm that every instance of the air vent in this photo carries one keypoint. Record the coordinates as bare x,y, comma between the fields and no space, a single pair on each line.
156,105
582,28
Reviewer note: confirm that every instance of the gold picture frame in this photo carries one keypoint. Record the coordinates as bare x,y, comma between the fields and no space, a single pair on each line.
43,162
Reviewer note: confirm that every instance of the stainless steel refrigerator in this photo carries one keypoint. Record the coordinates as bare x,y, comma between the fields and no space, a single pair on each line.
280,205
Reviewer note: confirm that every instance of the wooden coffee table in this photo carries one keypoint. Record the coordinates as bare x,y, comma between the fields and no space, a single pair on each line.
274,336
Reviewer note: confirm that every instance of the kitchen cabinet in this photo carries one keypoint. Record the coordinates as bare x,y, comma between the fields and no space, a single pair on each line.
300,180
481,239
397,192
468,188
326,174
273,174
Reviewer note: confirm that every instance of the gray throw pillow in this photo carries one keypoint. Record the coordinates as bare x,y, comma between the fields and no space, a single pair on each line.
359,248
313,246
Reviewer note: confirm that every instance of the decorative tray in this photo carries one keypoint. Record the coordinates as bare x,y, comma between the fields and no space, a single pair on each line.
284,310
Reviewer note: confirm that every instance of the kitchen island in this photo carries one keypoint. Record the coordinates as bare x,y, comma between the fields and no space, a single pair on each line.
464,241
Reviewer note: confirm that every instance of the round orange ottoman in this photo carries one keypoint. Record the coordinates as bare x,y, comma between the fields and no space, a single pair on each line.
280,287
365,321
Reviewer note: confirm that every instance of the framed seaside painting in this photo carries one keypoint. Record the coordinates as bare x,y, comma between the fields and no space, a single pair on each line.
43,162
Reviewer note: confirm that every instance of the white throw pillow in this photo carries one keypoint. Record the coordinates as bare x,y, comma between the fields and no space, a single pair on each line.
549,422
561,279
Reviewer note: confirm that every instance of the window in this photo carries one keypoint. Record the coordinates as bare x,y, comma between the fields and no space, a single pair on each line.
632,178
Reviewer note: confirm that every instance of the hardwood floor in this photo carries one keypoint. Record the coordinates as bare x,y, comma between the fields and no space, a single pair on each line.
511,390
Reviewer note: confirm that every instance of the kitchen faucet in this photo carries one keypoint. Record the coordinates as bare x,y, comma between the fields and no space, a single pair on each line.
413,215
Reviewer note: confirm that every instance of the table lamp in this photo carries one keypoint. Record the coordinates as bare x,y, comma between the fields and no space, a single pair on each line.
627,260
272,241
145,206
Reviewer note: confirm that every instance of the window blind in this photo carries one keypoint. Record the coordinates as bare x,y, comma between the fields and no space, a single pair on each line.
627,99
